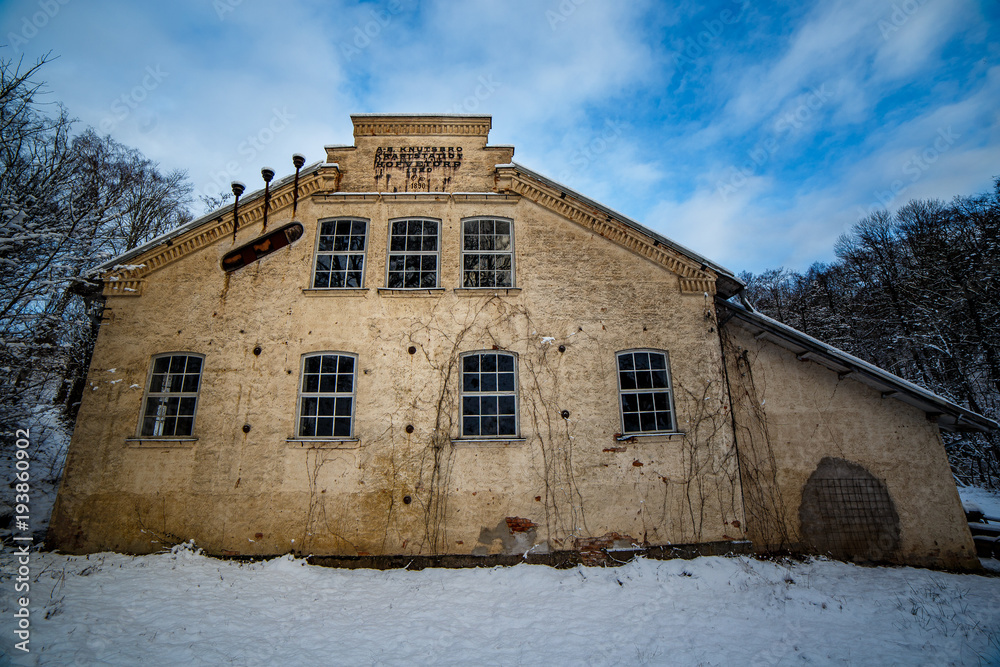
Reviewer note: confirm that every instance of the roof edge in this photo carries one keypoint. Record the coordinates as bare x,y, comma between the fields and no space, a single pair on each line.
730,286
951,416
198,222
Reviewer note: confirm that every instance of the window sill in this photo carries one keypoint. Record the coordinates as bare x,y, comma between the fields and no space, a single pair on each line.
664,436
487,291
335,291
178,443
487,441
412,291
315,443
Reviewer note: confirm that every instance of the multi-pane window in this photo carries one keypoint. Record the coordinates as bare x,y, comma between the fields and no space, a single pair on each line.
340,254
487,253
172,396
645,392
489,394
413,254
326,398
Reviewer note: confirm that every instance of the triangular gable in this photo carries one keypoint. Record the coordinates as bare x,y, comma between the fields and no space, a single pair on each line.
125,275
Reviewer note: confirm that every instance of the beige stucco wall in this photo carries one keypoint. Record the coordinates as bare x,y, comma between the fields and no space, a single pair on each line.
257,493
791,414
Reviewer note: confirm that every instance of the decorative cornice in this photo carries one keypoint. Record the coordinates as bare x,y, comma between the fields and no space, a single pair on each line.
130,281
693,278
124,287
471,126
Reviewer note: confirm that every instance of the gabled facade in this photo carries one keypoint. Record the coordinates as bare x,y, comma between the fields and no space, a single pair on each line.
430,350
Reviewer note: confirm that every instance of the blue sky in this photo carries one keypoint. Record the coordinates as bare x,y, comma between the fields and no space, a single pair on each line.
754,133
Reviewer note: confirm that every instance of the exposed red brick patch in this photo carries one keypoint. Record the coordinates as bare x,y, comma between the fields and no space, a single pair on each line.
736,523
593,550
615,449
637,463
518,525
258,536
538,499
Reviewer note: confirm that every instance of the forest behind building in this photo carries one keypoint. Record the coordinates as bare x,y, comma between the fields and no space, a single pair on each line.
914,292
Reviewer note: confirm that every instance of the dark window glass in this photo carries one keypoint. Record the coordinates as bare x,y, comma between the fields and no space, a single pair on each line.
488,257
489,399
340,255
644,390
413,255
326,403
172,396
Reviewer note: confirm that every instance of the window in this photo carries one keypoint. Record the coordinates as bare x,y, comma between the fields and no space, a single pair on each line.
340,254
489,395
413,254
644,389
172,396
326,399
487,253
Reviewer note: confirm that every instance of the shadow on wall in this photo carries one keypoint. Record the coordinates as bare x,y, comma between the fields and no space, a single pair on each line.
847,513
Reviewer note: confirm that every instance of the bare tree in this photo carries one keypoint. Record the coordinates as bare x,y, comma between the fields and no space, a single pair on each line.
66,204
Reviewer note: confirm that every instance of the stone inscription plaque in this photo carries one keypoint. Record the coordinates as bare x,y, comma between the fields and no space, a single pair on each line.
416,164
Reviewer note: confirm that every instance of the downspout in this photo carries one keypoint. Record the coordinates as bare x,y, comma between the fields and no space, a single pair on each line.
732,408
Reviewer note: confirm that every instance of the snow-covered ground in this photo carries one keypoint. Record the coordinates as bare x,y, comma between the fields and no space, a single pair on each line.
182,608
988,501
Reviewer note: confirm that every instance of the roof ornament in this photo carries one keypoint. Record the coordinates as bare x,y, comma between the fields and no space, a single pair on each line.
238,189
267,174
298,159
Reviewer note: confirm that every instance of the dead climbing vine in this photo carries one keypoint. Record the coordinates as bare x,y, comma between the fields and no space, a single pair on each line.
767,516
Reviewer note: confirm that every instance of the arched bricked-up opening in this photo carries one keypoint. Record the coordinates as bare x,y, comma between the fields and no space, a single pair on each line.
847,513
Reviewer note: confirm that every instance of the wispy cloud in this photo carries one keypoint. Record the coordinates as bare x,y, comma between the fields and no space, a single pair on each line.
753,132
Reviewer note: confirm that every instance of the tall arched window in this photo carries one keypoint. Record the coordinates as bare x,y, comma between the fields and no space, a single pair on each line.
645,392
489,394
171,395
326,395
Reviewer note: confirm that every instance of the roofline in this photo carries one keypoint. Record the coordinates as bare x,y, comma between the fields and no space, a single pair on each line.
950,416
197,222
732,286
421,115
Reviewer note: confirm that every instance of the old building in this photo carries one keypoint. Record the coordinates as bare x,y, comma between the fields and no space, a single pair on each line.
418,347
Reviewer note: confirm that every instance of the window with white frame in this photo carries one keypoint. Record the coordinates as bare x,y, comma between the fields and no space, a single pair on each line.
413,254
487,252
171,396
645,392
489,395
340,254
326,395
